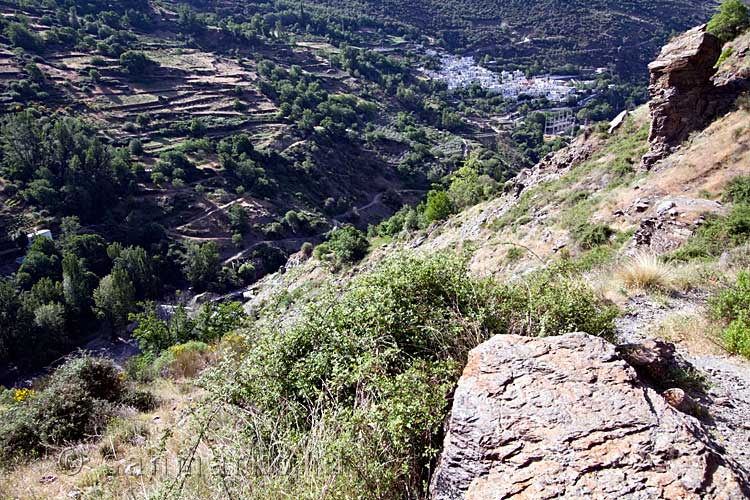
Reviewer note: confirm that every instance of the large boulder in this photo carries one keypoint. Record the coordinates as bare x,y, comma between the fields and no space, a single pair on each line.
568,417
682,93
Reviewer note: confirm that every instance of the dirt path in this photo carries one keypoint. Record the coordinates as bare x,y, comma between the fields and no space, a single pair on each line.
290,242
378,198
208,213
728,396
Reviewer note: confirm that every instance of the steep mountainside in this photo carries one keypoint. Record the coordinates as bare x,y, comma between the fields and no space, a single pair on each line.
585,32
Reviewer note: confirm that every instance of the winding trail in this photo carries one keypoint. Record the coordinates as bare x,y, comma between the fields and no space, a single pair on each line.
378,198
209,212
728,396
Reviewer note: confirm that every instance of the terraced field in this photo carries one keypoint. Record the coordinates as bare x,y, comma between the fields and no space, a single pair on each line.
215,82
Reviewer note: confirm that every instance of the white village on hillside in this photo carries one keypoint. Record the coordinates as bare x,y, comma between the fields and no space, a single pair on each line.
460,72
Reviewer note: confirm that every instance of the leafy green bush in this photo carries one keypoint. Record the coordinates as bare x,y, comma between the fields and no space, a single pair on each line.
360,383
345,246
738,190
731,19
724,56
22,36
716,235
591,236
75,402
439,206
214,320
733,307
737,336
140,368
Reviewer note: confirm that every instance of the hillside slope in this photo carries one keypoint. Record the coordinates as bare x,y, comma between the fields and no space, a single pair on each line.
339,371
597,32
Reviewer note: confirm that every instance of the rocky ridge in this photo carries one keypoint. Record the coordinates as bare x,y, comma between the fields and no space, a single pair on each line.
687,92
681,90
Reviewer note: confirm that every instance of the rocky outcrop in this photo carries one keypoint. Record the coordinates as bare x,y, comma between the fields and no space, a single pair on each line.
555,164
568,417
671,223
681,91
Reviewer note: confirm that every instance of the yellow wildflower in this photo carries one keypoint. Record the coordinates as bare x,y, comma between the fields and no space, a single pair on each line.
22,395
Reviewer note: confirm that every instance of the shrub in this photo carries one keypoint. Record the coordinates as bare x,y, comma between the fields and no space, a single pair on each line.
140,368
646,271
76,402
360,384
121,432
733,307
725,54
214,320
590,236
135,62
716,235
438,207
514,254
136,147
6,397
184,360
738,190
21,36
731,19
347,244
734,301
140,400
736,336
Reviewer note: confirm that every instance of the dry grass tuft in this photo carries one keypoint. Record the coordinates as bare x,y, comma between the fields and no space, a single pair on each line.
692,329
646,272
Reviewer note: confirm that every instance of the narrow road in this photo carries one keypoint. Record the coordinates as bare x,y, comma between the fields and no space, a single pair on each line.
286,242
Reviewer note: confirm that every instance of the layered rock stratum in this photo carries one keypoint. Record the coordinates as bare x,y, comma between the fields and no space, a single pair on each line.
681,90
568,417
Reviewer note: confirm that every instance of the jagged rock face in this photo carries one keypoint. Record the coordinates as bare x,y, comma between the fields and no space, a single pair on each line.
555,164
672,223
567,417
681,90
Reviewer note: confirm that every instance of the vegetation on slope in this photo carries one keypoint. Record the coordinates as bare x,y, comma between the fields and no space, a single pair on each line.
544,32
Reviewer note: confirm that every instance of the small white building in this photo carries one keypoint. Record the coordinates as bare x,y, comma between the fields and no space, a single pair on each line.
41,233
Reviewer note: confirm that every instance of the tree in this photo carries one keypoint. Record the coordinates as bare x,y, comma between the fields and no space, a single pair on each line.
135,147
152,334
78,282
189,20
348,244
439,206
238,219
467,186
135,62
202,264
21,36
731,19
10,326
114,298
92,248
42,260
216,320
197,127
139,267
50,320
